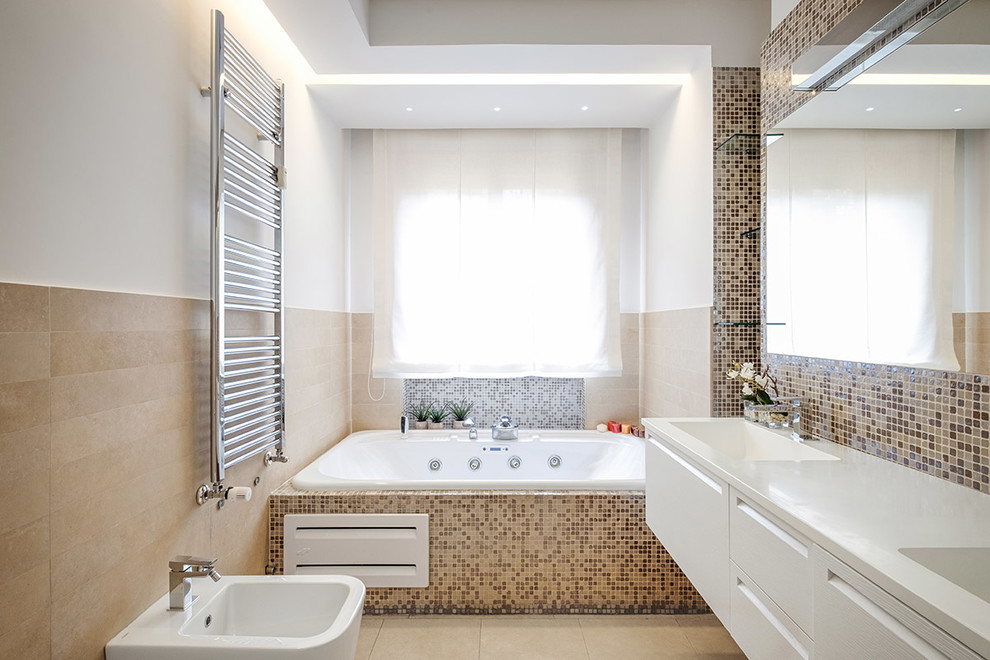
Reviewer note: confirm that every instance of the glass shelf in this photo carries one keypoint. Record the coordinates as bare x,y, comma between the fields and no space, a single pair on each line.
744,143
750,233
742,324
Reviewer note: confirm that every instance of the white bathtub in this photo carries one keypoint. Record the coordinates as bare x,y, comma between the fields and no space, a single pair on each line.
546,460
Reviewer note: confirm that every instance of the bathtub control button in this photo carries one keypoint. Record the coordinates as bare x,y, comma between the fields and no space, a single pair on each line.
554,461
435,465
474,464
515,462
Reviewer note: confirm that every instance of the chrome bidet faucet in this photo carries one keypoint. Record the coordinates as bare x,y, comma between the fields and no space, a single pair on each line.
181,568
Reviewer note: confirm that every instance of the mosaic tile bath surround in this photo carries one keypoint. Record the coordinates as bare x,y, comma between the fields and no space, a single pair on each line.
532,402
933,421
506,552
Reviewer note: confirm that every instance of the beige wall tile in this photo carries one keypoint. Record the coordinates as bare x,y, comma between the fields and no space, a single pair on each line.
30,639
24,476
24,405
26,547
676,363
84,352
24,592
87,393
83,310
24,356
23,308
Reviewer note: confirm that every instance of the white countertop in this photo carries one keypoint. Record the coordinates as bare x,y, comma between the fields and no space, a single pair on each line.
863,509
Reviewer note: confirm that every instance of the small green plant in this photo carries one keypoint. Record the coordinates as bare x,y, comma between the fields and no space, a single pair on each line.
421,411
460,410
438,413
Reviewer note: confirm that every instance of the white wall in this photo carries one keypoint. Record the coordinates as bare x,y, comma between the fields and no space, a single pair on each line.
735,29
779,9
678,233
104,176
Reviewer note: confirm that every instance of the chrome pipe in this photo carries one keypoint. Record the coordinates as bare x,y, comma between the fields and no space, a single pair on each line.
216,280
253,278
248,115
260,450
256,370
263,203
234,172
272,292
244,382
239,52
249,349
250,308
240,242
253,416
249,155
251,214
239,340
240,83
246,436
255,400
272,260
255,267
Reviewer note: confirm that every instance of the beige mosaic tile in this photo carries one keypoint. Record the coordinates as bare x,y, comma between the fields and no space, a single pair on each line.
508,552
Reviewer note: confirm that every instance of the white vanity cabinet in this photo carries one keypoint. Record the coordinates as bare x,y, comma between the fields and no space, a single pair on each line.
771,602
856,619
688,511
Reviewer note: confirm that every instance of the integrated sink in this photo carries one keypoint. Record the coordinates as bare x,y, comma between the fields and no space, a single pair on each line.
745,441
965,567
305,617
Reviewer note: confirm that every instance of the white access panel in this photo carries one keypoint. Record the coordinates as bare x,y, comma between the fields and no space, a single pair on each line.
380,549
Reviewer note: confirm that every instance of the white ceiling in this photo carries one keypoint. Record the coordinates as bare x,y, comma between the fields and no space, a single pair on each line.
499,37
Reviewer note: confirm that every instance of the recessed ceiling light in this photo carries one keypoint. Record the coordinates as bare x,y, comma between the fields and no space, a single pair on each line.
584,107
497,109
870,109
408,109
957,110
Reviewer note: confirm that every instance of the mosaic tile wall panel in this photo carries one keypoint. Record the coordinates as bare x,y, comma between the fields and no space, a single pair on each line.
933,421
535,403
736,102
498,552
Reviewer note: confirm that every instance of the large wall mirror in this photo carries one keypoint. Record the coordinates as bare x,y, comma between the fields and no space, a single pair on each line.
878,209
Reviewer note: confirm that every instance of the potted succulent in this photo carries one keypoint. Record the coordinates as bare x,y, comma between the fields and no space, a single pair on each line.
438,413
460,411
420,414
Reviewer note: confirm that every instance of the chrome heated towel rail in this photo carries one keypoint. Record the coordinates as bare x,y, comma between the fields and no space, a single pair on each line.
248,403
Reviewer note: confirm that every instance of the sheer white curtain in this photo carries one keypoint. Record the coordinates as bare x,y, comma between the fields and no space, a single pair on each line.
496,253
859,246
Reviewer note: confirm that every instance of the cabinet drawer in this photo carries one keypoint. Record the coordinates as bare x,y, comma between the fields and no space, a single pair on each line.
687,509
856,619
760,628
775,556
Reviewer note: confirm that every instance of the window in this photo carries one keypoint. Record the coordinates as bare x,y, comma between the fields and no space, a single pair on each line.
496,253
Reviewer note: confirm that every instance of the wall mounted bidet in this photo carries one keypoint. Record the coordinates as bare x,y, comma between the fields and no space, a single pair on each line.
506,429
181,568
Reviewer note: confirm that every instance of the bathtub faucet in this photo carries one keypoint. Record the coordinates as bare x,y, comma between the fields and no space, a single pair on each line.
472,428
181,568
506,429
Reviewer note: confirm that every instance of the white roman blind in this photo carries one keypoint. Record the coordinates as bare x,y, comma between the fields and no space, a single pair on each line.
496,253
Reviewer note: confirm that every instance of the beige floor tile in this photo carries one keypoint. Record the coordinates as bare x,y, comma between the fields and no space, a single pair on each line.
428,638
635,637
531,638
708,636
370,627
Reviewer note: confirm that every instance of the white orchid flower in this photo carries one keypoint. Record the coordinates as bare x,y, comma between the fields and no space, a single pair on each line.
747,371
747,390
762,381
732,374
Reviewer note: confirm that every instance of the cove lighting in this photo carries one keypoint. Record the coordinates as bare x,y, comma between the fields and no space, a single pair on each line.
502,79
